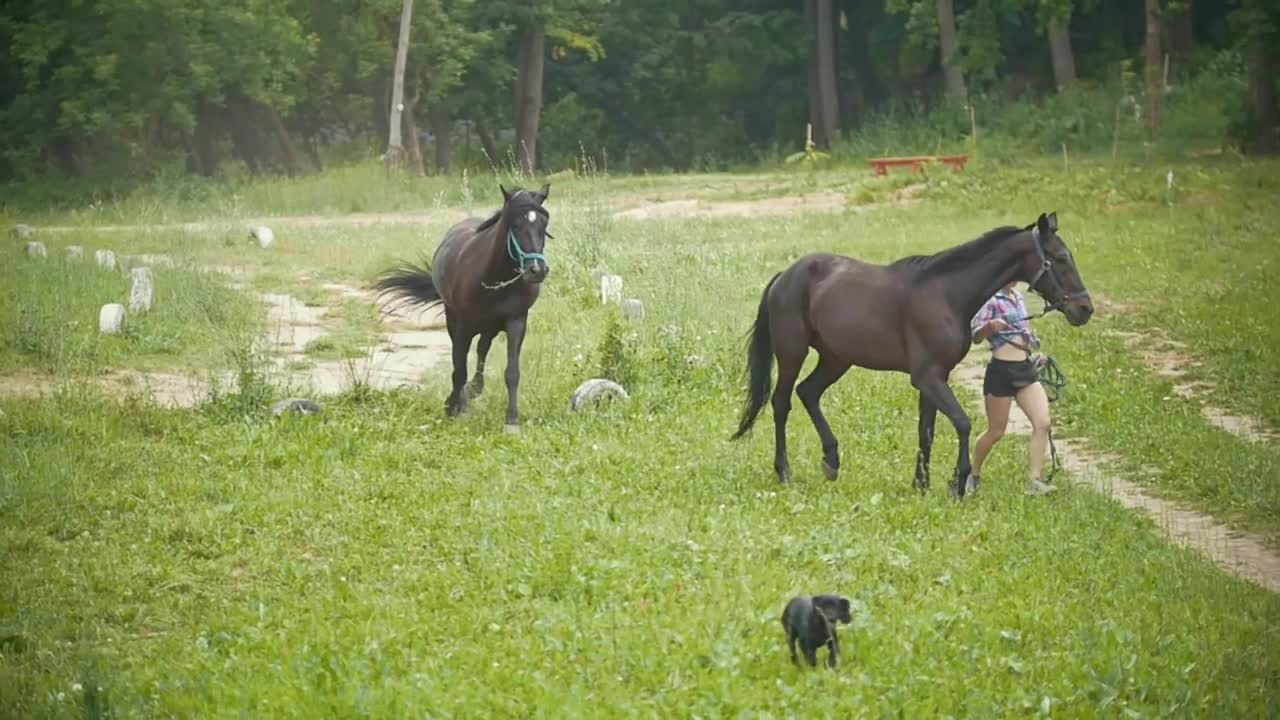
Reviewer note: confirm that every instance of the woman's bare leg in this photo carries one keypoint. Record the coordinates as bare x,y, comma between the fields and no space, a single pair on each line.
1035,404
997,421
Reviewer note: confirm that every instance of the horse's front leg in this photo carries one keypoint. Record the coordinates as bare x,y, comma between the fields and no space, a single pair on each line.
928,418
476,386
933,389
461,339
515,339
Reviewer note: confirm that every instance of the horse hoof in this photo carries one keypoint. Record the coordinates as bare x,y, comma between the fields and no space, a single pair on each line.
784,477
831,472
474,390
511,429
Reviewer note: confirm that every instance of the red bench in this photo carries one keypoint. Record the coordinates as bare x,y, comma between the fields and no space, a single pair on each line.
882,165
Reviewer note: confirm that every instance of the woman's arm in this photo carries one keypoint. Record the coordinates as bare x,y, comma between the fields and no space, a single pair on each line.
988,329
985,323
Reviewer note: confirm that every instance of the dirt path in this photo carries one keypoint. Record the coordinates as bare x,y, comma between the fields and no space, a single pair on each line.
628,205
1238,552
410,345
406,217
1168,359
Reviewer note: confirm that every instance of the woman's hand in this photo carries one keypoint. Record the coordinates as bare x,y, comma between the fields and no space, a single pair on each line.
996,325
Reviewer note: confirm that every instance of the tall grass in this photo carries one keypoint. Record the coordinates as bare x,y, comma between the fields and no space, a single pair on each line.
49,316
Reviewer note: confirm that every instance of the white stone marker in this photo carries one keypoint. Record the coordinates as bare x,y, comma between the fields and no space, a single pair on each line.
106,259
610,289
140,289
633,309
111,319
262,235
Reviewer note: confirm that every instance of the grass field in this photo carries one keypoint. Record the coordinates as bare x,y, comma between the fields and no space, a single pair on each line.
376,560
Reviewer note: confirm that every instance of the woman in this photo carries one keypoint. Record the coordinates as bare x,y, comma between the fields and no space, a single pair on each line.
1012,374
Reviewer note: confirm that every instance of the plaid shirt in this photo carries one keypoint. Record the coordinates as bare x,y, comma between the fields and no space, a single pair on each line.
1011,309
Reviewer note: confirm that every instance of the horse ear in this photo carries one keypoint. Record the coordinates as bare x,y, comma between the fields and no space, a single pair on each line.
1042,224
543,193
1053,221
506,196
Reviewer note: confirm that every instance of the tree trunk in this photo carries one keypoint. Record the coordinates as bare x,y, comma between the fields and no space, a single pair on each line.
1263,129
440,127
311,145
825,124
815,95
487,144
66,154
1154,64
529,94
242,126
1064,61
293,163
956,91
1179,35
204,154
413,148
395,150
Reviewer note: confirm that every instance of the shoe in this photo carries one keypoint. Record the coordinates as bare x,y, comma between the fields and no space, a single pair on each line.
971,484
1036,487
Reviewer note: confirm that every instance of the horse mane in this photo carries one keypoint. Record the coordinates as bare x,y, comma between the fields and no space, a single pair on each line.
521,199
959,256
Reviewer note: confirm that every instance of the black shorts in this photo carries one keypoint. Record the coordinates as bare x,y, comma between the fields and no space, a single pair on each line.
1005,378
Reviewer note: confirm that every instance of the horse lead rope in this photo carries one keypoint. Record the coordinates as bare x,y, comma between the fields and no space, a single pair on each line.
521,257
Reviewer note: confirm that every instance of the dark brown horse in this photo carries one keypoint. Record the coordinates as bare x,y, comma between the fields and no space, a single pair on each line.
487,274
911,316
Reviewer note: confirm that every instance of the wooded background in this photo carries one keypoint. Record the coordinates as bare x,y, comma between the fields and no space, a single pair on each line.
122,90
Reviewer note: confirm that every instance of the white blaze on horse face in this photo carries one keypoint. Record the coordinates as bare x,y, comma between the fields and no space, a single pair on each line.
533,216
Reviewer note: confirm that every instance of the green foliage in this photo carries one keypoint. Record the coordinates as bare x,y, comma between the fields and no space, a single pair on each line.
92,108
615,352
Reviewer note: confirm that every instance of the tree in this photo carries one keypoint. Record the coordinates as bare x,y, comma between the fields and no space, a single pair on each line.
950,47
1154,66
395,149
1056,19
1257,23
823,100
530,62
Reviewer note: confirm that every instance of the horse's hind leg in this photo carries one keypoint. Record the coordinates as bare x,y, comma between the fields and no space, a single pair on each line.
476,386
810,391
788,370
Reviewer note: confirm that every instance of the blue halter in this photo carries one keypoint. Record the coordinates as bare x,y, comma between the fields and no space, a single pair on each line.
517,253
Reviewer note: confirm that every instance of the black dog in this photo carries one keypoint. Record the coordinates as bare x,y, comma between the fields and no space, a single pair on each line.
812,622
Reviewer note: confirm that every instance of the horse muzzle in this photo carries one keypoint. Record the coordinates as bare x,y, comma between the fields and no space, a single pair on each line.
536,271
1078,311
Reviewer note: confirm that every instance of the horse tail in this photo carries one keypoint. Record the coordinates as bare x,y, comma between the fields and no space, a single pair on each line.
759,364
408,285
